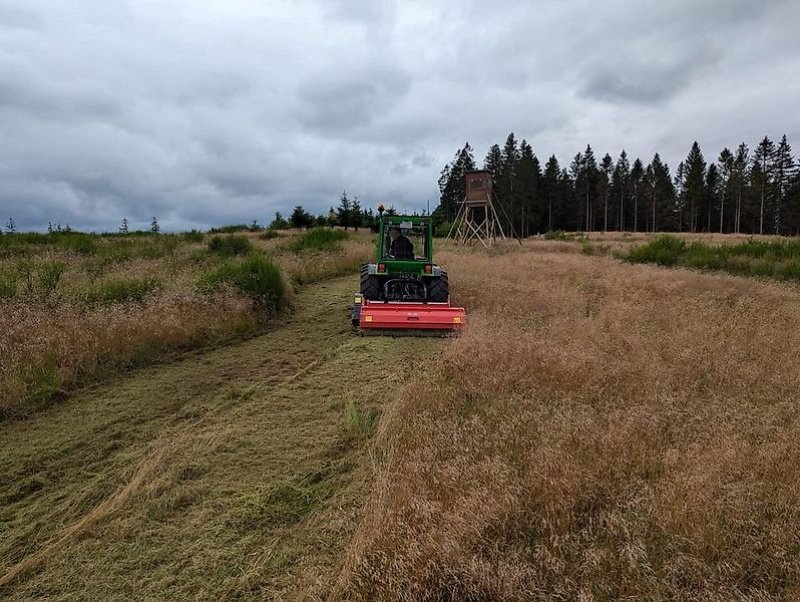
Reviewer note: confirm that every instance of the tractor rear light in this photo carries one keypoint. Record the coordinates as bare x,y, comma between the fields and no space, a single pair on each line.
456,319
381,267
428,268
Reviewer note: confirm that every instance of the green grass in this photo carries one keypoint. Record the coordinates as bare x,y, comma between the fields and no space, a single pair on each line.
256,276
31,278
775,259
317,240
230,245
119,290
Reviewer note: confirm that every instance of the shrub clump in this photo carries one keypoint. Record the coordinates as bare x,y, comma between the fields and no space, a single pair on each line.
120,290
320,239
665,250
193,236
230,246
256,276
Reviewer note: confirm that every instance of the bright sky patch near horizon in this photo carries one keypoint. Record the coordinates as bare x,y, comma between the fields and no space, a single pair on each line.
210,112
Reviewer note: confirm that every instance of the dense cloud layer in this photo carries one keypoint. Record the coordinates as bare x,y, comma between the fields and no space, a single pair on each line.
212,111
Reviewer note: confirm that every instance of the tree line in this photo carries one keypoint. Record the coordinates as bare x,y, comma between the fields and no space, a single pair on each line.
754,192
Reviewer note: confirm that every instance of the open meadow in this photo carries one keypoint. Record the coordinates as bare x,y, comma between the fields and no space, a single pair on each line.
603,429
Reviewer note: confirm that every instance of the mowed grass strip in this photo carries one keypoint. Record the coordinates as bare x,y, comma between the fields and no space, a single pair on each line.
240,473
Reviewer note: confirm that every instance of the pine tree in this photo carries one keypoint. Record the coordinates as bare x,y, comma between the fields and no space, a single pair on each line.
355,214
300,218
452,182
278,223
508,197
604,185
740,182
784,173
712,186
636,179
154,227
494,159
49,227
551,190
123,228
761,176
694,188
11,227
725,168
343,211
526,179
619,185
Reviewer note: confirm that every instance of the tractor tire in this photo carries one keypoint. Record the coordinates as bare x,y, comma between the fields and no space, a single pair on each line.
439,289
370,284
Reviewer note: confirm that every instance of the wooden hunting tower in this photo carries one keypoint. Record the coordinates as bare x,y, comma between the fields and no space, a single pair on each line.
477,220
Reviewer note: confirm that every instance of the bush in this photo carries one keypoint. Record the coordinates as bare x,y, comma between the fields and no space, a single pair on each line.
269,234
562,235
229,229
122,290
257,277
193,236
229,246
664,250
320,239
442,230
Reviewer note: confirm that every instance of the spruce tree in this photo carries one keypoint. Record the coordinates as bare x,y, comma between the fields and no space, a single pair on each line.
343,211
761,176
619,186
123,228
11,227
551,191
740,183
525,181
694,188
604,185
452,183
154,227
636,180
784,173
725,168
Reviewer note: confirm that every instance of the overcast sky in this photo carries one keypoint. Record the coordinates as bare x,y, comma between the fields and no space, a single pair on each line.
204,112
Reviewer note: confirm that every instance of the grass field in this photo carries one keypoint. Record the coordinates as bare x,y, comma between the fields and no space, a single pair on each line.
602,430
76,308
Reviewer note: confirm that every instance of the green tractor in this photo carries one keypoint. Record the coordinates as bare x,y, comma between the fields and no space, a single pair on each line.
403,269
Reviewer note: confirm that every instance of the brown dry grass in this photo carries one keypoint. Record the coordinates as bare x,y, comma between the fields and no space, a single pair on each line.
600,431
52,343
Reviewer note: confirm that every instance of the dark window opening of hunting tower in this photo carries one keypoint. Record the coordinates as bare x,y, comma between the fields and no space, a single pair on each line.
476,183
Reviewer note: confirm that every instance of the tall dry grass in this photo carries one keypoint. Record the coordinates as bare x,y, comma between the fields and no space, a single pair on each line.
48,353
113,310
600,431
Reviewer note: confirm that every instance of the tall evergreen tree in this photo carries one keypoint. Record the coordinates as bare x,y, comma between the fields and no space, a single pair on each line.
739,183
551,191
343,211
725,169
694,189
620,183
784,173
604,185
525,181
636,180
452,187
761,177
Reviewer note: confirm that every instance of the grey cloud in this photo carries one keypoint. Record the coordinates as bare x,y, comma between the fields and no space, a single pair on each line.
203,111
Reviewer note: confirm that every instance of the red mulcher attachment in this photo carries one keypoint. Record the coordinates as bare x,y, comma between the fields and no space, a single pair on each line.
401,317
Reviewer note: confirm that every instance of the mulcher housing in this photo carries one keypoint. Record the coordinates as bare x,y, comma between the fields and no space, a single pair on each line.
403,290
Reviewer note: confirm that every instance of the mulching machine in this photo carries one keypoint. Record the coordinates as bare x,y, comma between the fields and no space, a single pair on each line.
403,291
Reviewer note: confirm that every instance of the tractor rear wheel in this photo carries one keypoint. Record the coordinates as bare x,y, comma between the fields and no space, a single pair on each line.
439,289
370,284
